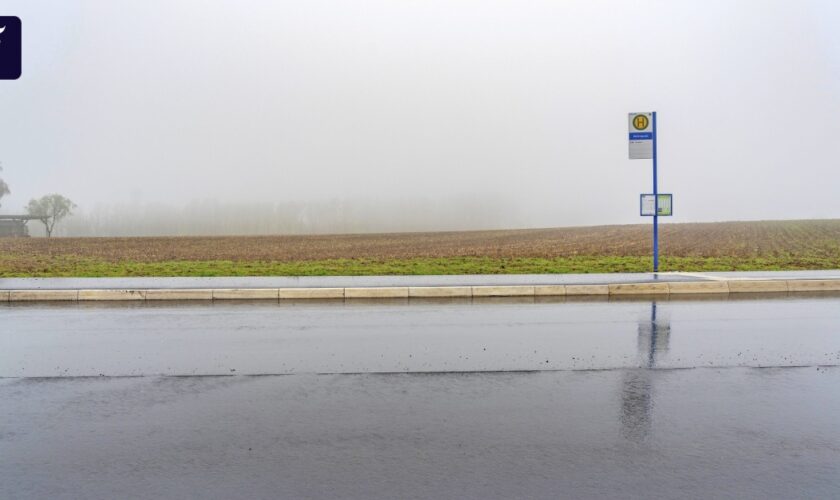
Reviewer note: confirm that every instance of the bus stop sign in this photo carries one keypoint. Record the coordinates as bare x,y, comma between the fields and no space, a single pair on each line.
641,136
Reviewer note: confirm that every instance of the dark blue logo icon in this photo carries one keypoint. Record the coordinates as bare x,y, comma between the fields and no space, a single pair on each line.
10,53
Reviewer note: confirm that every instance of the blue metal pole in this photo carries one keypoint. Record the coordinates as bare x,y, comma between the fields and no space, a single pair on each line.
653,333
655,204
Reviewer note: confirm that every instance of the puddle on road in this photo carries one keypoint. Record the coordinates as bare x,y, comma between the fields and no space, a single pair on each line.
418,336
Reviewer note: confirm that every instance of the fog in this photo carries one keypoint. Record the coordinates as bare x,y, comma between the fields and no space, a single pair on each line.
198,117
208,217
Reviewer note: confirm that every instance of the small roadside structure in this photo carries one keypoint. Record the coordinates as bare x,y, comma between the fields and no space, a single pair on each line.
15,225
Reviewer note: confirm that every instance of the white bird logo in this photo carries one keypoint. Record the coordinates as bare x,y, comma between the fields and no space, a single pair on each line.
2,29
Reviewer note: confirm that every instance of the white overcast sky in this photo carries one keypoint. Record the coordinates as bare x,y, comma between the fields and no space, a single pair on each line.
521,101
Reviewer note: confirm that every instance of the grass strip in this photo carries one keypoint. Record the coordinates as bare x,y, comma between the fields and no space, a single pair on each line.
69,266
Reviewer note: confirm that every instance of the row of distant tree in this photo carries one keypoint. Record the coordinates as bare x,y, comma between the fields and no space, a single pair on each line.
210,216
259,217
49,209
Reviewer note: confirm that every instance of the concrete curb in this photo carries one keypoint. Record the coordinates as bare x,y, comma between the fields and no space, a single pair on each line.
246,294
42,295
813,285
439,291
691,287
112,295
757,286
310,293
618,289
178,294
587,289
384,292
502,291
639,289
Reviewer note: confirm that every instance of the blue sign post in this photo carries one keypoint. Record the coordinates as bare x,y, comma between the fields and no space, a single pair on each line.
655,204
643,147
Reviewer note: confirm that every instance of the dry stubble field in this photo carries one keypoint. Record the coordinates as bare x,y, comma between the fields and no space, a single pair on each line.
813,244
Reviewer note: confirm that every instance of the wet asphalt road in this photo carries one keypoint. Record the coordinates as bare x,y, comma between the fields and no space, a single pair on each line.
723,398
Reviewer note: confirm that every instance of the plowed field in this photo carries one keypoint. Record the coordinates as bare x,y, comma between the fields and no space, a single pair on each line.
813,244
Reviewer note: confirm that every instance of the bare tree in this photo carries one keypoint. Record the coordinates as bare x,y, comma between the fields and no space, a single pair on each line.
51,209
4,188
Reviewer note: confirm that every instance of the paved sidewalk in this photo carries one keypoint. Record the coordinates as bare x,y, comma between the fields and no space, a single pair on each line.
398,281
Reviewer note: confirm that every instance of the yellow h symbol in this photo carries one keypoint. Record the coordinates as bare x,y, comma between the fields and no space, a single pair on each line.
640,122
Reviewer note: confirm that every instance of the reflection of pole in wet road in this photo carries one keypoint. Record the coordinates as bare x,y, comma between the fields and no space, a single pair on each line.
636,405
636,391
653,338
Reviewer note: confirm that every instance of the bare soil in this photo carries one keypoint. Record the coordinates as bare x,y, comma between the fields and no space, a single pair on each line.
808,238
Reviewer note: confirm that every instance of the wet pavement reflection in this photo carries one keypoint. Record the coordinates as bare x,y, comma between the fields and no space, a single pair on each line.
647,399
43,340
628,433
637,385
